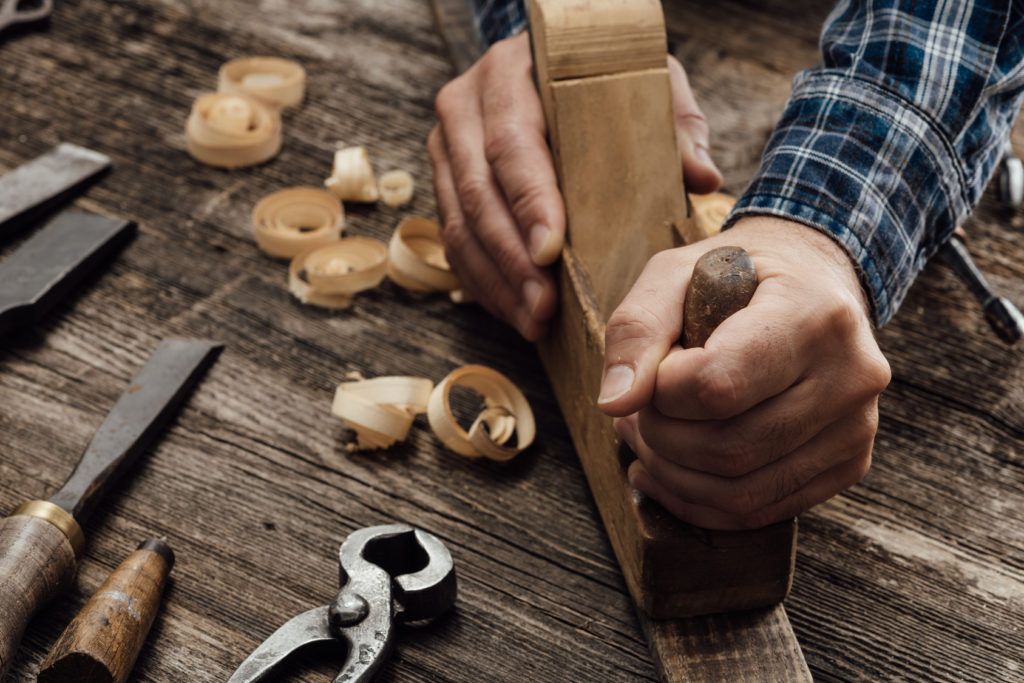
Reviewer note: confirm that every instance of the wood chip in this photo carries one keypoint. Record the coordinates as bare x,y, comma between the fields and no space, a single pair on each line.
506,413
352,176
232,130
291,221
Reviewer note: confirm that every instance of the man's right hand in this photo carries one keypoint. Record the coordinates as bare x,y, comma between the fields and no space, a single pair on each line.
496,188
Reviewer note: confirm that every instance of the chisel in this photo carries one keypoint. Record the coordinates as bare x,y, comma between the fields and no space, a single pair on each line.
49,264
33,188
41,541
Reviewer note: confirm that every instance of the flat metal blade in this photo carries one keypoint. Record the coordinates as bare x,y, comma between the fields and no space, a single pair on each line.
135,420
53,261
32,188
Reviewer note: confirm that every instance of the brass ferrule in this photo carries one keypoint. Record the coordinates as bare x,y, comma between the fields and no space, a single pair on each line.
57,516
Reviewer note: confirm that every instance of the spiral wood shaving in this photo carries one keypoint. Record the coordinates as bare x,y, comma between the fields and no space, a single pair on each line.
506,413
291,221
330,275
271,80
232,130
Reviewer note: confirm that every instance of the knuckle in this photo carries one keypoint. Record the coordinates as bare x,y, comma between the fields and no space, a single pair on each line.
743,502
473,195
632,321
721,391
502,139
449,97
735,459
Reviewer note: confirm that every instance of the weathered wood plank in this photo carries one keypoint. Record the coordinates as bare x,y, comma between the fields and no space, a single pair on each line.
913,575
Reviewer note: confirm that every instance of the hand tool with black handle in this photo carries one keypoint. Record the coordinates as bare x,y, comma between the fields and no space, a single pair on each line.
41,541
101,643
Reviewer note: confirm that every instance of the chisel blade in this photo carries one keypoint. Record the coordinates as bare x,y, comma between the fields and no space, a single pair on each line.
139,414
49,264
53,177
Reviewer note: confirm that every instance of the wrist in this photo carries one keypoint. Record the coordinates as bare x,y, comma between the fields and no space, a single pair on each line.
786,245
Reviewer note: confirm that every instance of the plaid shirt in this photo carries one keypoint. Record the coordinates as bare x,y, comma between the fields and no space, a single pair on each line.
887,144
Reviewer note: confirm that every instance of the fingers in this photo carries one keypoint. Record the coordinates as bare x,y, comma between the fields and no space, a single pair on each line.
640,332
516,149
755,354
483,194
834,459
699,172
470,262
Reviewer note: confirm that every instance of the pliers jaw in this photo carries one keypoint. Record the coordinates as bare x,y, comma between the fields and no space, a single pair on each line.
388,573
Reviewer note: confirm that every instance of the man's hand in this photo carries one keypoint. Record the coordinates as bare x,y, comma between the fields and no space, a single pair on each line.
496,188
777,412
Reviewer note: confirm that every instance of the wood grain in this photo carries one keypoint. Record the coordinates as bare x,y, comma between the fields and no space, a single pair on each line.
914,575
102,641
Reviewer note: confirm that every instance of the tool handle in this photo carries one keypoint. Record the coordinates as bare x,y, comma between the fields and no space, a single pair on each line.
37,561
103,640
723,282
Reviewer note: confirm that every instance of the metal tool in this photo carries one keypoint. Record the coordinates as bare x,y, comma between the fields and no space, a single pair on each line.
41,541
49,265
1011,178
34,188
21,11
1002,315
388,573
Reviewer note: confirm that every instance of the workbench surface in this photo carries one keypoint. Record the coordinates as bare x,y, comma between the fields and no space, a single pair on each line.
917,573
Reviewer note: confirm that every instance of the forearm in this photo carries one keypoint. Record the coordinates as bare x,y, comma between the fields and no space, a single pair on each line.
888,144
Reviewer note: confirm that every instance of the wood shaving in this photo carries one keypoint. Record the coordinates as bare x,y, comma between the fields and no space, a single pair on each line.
711,210
381,410
232,130
396,187
291,221
330,275
416,258
271,80
506,413
352,176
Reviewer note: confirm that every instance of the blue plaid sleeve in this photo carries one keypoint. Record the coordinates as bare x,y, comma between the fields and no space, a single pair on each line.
497,19
888,144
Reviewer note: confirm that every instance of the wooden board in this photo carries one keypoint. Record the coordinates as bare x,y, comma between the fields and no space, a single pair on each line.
916,574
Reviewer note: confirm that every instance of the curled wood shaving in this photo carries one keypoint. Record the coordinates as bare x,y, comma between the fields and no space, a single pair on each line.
396,187
381,410
271,80
711,210
294,220
416,258
506,413
232,130
331,274
352,176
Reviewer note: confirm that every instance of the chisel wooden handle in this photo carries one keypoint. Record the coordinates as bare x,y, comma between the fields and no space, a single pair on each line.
37,561
723,282
104,639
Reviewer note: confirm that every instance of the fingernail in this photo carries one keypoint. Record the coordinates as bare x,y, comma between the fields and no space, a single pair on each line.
538,238
617,381
532,291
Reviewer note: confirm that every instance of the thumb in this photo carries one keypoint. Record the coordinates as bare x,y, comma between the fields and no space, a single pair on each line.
640,333
699,172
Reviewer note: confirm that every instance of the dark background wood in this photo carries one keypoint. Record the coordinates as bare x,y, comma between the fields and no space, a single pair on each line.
917,573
